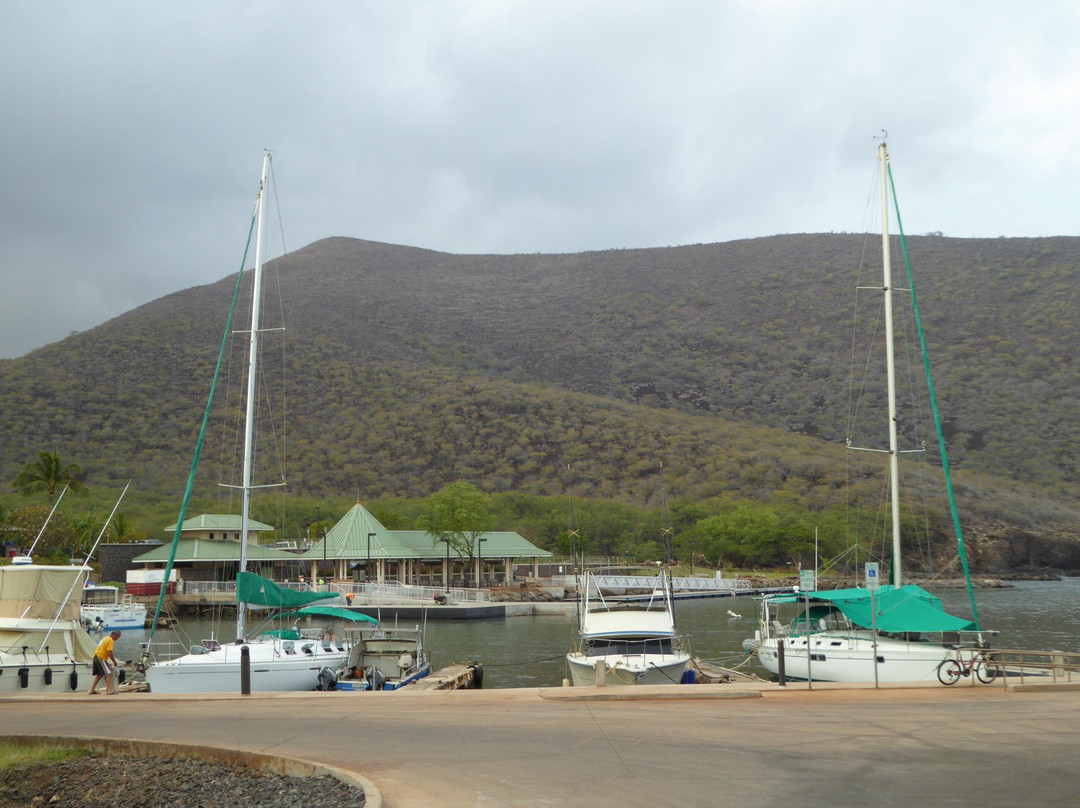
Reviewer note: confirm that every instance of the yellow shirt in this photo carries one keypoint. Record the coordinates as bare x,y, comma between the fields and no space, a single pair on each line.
105,648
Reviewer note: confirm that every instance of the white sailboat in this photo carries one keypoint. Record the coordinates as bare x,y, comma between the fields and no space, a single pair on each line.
290,659
896,633
628,642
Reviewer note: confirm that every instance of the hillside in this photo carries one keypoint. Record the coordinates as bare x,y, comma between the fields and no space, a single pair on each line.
408,368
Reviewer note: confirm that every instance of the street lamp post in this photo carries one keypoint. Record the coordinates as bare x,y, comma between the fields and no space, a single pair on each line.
367,563
479,558
446,573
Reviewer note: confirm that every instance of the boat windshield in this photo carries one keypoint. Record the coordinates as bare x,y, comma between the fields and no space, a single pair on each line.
624,647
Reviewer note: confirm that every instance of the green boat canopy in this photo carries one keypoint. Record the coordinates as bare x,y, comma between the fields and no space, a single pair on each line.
258,591
903,609
335,611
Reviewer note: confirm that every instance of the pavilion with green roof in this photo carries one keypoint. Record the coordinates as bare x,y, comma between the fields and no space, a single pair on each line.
360,542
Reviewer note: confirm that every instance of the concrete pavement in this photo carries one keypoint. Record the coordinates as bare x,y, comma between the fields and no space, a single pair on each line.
703,745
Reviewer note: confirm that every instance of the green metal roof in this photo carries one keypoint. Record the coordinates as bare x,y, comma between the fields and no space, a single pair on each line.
188,550
494,544
217,521
348,539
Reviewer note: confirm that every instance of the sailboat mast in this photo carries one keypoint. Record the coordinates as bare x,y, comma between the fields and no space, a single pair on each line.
249,416
890,363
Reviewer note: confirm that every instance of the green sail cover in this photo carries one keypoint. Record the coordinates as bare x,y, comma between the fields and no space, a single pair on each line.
907,608
258,591
337,612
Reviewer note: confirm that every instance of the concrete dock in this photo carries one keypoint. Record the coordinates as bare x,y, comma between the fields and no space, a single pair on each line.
706,745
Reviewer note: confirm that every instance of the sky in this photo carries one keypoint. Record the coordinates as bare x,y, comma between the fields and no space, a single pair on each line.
132,133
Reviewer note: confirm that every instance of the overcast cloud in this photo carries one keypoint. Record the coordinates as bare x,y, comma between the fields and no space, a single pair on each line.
133,132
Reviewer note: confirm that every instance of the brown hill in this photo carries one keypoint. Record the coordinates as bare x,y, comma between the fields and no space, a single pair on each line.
409,368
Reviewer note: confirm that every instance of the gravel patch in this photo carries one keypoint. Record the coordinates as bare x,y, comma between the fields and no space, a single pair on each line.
115,781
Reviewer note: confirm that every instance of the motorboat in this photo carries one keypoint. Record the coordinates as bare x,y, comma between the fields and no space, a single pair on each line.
43,645
628,641
104,608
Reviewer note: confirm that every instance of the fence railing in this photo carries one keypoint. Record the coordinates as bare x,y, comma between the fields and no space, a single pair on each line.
729,585
1034,666
366,593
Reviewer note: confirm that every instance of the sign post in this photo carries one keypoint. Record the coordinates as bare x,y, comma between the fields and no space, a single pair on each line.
806,584
873,581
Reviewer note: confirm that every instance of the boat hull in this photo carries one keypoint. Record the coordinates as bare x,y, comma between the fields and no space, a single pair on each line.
11,682
107,618
839,657
274,666
648,669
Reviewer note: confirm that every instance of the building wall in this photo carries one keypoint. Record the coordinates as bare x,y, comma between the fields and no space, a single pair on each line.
116,559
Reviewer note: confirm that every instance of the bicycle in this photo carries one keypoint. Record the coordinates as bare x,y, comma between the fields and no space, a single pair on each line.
950,670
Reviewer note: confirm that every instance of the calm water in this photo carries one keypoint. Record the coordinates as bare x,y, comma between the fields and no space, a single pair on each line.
529,651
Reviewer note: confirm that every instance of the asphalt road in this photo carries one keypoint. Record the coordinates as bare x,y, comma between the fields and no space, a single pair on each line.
830,748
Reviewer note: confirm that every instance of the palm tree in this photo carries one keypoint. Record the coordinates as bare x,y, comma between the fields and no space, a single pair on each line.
47,473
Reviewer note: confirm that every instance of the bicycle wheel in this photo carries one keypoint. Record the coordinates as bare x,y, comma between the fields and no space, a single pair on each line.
986,671
948,672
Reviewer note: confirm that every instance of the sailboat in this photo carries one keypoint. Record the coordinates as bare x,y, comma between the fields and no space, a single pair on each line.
628,642
890,633
279,659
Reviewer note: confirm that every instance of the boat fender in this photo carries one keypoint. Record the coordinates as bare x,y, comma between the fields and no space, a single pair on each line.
689,677
48,676
327,680
24,677
73,678
478,675
121,676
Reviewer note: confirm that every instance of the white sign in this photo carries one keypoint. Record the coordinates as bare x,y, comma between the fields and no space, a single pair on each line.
872,579
806,580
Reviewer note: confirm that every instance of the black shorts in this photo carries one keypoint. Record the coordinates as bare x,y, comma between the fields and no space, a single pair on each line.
100,668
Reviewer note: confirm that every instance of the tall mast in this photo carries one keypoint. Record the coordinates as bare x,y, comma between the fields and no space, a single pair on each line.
249,417
894,466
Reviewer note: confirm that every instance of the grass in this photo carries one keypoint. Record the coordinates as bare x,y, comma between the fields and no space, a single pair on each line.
34,753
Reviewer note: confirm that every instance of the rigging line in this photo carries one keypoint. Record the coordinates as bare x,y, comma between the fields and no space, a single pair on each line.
934,408
202,436
518,664
614,748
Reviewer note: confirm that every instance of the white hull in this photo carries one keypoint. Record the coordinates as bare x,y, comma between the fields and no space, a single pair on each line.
114,617
276,665
650,669
11,682
849,657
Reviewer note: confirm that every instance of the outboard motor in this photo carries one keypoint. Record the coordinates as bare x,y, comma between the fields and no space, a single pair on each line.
327,679
376,679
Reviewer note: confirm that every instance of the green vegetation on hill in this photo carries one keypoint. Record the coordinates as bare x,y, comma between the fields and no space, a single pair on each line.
534,376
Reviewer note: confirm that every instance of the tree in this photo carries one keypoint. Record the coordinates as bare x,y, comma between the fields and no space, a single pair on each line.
460,514
47,473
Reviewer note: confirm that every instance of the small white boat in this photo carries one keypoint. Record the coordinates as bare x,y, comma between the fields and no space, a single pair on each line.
628,642
103,607
43,646
384,659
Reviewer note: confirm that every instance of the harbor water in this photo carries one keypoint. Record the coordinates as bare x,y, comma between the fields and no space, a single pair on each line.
529,651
